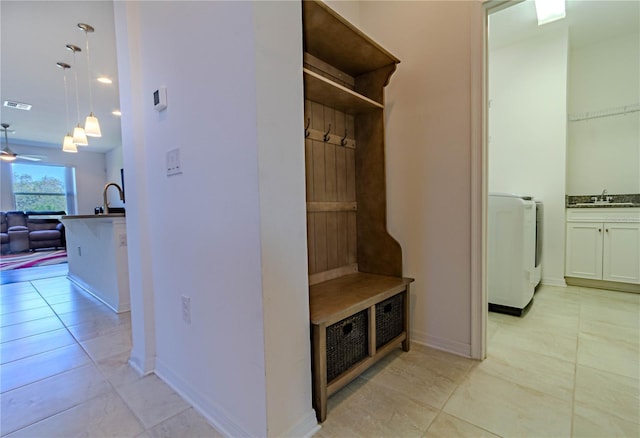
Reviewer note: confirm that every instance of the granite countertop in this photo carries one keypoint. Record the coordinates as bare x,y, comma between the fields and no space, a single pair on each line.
614,201
94,216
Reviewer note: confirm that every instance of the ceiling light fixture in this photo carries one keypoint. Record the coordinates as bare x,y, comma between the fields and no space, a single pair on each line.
116,113
79,136
104,80
67,142
91,124
7,154
549,10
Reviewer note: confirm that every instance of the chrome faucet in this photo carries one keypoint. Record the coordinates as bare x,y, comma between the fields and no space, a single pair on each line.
104,195
602,197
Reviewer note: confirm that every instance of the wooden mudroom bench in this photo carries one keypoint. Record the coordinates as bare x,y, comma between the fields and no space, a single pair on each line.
358,298
380,305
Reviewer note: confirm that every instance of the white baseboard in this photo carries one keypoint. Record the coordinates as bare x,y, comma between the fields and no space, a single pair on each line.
218,417
455,347
214,414
90,290
140,368
305,428
554,282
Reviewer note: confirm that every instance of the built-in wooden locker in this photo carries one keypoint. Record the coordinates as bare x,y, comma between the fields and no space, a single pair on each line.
357,292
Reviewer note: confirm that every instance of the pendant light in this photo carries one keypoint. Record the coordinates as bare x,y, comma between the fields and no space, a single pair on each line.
67,142
79,136
7,154
91,124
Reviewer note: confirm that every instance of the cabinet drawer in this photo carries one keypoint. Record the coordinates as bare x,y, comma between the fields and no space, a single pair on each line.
347,343
389,319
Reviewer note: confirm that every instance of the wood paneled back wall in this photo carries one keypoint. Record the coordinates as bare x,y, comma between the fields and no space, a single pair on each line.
331,192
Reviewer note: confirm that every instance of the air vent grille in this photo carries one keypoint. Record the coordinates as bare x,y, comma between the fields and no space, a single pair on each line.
17,105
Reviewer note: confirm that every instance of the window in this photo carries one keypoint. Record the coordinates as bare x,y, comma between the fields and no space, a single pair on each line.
38,187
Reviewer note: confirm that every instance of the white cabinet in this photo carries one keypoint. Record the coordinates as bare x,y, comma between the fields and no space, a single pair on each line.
621,252
584,250
603,250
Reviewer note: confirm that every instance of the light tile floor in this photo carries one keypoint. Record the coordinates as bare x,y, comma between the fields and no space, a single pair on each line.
569,367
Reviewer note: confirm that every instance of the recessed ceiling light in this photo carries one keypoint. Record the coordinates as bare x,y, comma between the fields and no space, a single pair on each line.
17,105
549,10
104,80
116,113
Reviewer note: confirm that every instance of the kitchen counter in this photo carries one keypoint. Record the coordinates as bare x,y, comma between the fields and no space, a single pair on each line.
93,216
97,256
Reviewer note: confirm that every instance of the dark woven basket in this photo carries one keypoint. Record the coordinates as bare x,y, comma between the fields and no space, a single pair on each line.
347,344
389,319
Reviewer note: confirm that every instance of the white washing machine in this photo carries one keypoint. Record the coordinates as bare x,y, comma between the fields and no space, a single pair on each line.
513,267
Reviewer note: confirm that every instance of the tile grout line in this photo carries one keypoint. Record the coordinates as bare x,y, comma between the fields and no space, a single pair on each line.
93,363
575,370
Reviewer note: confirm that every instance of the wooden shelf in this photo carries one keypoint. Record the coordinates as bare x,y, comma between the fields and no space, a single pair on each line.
331,206
341,297
322,90
333,39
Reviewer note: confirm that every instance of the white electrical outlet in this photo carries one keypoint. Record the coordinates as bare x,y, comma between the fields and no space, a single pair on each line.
123,239
186,309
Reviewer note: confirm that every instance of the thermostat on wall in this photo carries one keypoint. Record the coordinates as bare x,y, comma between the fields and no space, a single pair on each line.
160,99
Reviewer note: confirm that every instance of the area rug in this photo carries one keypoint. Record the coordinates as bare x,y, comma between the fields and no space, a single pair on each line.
32,259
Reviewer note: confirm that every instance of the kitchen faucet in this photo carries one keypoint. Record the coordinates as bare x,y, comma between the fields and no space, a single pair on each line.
104,195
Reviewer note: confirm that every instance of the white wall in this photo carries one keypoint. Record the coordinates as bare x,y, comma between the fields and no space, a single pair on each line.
604,152
428,158
90,175
114,163
527,133
230,231
349,9
283,218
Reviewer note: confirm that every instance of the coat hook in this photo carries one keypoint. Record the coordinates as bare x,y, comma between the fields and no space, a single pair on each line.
343,142
306,128
327,136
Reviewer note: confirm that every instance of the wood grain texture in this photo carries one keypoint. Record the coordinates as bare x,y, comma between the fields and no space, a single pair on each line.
331,206
331,198
378,252
333,39
325,91
327,70
336,299
333,273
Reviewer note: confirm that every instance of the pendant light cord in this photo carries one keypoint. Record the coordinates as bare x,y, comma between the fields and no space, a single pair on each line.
66,96
86,38
75,73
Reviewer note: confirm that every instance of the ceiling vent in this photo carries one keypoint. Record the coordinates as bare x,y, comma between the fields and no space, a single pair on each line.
17,105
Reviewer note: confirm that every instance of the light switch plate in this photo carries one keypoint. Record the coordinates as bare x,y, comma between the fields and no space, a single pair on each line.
174,166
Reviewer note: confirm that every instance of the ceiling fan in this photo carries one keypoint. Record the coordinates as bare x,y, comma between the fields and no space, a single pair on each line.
8,155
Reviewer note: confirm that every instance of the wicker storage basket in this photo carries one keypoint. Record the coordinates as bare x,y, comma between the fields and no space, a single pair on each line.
346,344
389,319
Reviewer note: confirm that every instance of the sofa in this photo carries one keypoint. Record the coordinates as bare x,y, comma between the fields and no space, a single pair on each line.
28,231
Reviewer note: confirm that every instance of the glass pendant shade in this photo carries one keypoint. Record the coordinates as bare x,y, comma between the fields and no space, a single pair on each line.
92,126
68,145
8,157
79,137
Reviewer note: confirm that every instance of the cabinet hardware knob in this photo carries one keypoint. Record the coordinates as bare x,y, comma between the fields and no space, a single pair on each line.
607,230
599,230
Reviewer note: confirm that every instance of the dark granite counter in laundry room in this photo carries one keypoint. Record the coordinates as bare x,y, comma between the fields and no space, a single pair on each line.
603,200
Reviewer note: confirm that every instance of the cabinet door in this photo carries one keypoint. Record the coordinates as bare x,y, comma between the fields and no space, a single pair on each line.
621,257
584,250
